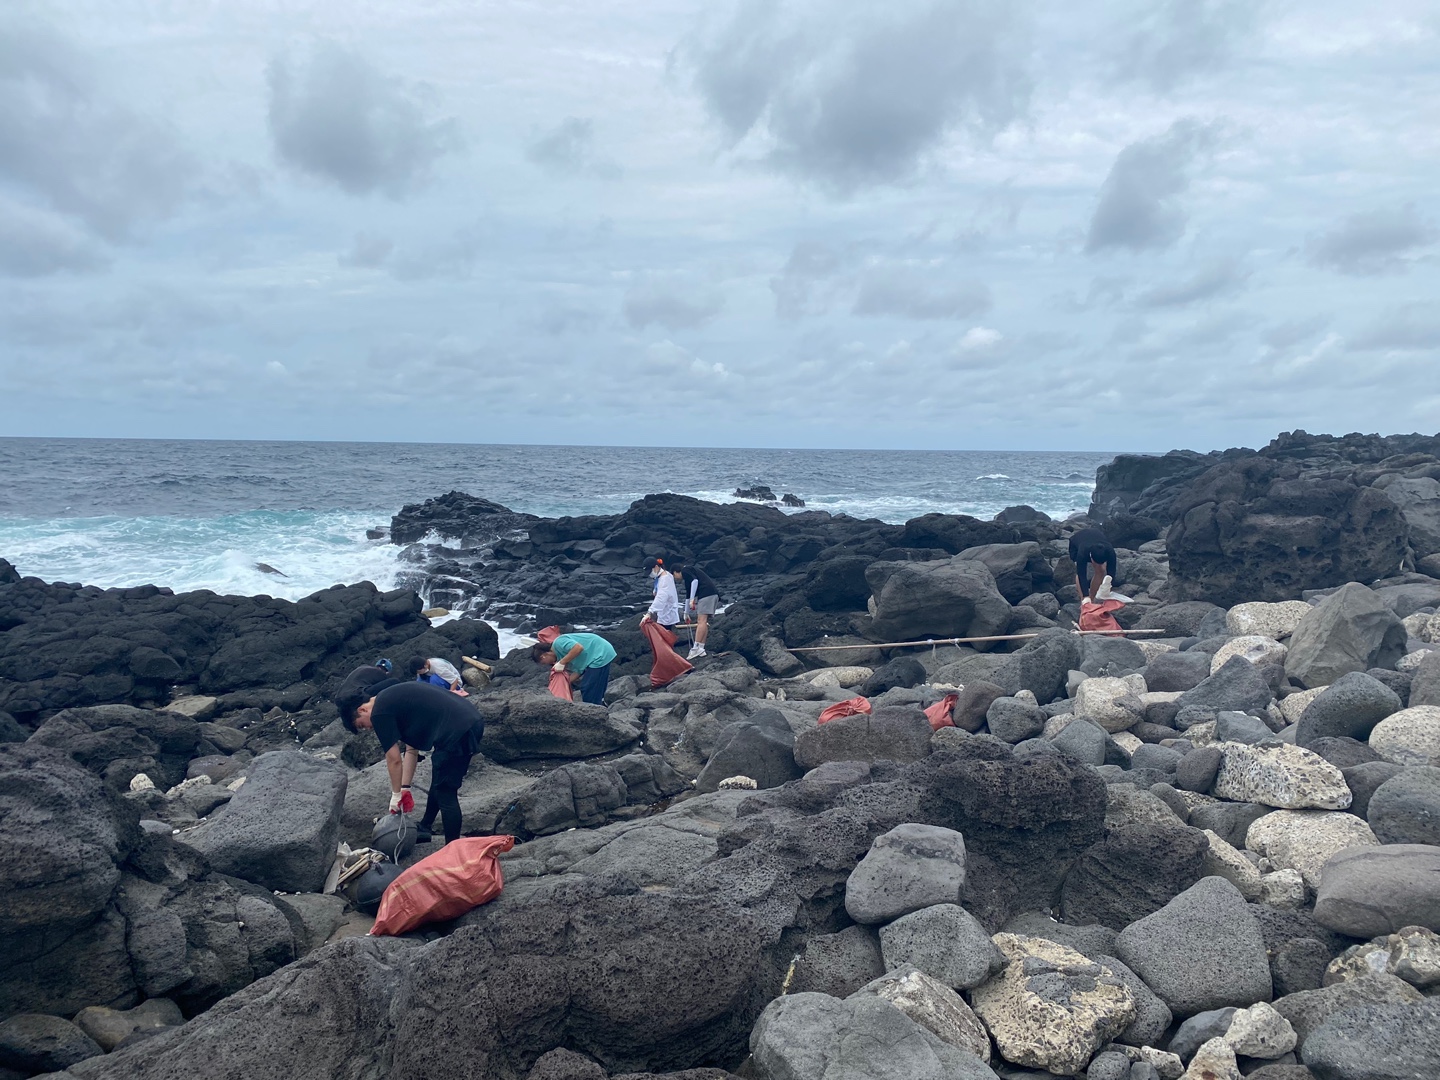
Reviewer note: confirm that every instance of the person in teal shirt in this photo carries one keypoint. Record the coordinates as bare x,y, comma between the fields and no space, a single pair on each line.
586,660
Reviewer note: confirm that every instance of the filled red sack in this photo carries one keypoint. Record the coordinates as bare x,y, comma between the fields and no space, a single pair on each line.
855,706
1097,616
560,686
461,875
669,665
942,713
548,635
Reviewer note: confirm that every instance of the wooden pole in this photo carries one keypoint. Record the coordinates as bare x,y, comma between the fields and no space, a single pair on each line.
956,641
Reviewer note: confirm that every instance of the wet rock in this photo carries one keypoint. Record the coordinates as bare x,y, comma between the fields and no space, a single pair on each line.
1203,950
910,867
1304,840
1280,775
1051,1008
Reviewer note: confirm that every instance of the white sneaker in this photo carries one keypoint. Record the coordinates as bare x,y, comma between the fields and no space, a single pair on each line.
695,650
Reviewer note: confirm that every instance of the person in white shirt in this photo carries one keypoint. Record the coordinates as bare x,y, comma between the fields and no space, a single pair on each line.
665,608
435,670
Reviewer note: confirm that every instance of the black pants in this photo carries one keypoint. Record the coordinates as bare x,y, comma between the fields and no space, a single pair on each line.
447,773
593,683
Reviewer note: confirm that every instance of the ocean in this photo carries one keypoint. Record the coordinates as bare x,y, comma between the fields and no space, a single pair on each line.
203,514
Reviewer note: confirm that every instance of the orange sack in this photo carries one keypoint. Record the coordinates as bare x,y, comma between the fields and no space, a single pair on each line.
1097,616
560,686
462,875
669,665
548,635
855,706
942,713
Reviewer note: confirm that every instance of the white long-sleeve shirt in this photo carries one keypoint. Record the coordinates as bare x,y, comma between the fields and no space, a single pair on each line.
666,605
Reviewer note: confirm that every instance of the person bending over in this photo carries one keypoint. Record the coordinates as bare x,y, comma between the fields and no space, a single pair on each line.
421,717
704,600
1094,561
586,660
437,671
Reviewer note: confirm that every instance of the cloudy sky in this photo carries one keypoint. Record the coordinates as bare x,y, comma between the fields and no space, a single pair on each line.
968,224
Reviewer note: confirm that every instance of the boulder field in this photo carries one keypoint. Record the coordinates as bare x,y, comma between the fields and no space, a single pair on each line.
1201,853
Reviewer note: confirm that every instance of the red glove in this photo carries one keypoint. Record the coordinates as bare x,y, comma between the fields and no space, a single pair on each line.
403,803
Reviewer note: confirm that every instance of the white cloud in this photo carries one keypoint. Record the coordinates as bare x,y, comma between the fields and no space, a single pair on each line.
980,337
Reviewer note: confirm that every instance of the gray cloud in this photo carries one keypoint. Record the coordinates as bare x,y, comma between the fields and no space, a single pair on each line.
801,287
64,141
1373,243
338,118
1222,277
1180,39
1138,207
568,149
1285,335
1409,328
851,93
918,293
369,251
674,302
35,244
453,256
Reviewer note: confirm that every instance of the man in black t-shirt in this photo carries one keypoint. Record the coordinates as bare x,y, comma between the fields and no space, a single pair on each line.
1093,557
421,717
704,601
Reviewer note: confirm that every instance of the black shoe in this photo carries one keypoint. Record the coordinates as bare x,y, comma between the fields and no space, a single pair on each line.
422,835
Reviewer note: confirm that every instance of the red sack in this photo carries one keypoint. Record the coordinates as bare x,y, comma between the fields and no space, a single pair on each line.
669,665
560,686
855,706
548,635
942,713
1097,616
461,875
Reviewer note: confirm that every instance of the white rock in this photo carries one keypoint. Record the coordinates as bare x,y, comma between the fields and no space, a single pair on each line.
1160,697
1283,889
197,707
1213,1061
1127,742
1260,1032
738,783
1223,860
1409,737
934,1006
1423,627
844,677
1281,775
1051,1008
1304,840
1027,696
1293,705
1201,734
1270,620
1412,661
141,782
1152,649
1413,954
1112,703
1253,647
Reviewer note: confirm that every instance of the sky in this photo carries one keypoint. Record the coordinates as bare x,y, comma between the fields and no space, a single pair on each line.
948,224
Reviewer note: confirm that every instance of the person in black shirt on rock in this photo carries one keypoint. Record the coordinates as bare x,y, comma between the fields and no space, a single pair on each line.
704,601
422,717
1094,561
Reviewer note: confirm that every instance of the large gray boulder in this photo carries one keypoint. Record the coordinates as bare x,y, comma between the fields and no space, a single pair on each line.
889,733
281,828
838,964
531,725
1418,498
816,1037
1177,671
1350,707
1018,569
910,867
36,1043
762,747
1238,686
1350,630
1040,667
1203,950
1369,891
1376,1042
1134,871
950,598
944,941
1306,1010
1406,808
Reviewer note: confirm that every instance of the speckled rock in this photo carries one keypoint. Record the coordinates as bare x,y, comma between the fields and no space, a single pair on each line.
1051,1008
1377,1042
1260,1032
1409,737
1284,888
1256,648
945,942
908,868
844,677
1413,954
1223,860
1272,620
1280,775
934,1006
1293,706
1215,1060
1112,703
1304,840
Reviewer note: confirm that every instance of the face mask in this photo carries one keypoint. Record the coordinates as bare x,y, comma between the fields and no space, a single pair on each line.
655,572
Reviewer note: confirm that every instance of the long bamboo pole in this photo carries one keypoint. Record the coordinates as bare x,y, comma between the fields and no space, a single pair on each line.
956,641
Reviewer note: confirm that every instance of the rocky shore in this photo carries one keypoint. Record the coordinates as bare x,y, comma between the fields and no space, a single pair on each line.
1204,852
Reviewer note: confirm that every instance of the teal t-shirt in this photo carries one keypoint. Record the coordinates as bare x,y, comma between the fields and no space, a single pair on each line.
595,651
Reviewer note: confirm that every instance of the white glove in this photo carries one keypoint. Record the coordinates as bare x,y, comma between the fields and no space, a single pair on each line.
559,666
395,802
1103,593
1085,600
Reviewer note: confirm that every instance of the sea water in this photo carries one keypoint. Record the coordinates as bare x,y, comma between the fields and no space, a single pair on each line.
205,514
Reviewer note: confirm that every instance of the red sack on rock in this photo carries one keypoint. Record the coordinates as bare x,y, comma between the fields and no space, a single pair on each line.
560,686
1097,616
462,875
855,706
669,665
942,713
548,635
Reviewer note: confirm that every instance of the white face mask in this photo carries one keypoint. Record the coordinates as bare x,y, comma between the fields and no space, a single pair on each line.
656,571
